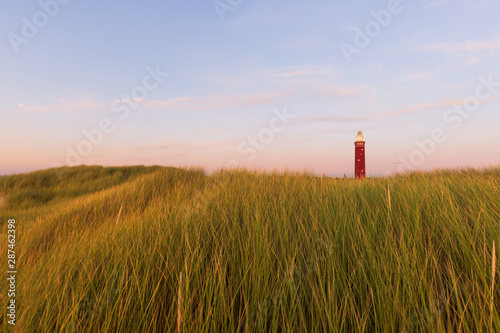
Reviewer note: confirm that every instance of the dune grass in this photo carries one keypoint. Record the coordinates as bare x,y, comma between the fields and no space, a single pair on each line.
138,249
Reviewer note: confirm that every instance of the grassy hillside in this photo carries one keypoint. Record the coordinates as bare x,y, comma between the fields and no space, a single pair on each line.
139,249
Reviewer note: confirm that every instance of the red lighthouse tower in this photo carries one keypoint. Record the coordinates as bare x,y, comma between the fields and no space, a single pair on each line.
359,156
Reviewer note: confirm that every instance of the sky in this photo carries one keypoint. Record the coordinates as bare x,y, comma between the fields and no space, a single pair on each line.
257,84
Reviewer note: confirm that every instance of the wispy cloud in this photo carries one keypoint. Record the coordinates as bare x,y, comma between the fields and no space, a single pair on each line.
467,46
423,107
157,150
172,146
301,43
474,3
418,75
309,90
437,3
334,119
146,148
458,64
211,102
283,85
263,76
416,109
64,105
433,105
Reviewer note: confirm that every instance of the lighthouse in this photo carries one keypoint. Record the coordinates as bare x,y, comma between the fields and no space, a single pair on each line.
359,156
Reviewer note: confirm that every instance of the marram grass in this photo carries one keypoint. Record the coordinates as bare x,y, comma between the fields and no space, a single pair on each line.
138,249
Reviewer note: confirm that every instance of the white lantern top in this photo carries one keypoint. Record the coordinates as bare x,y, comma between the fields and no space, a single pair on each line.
360,137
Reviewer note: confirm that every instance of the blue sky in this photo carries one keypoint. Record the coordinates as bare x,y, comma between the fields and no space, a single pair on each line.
415,86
